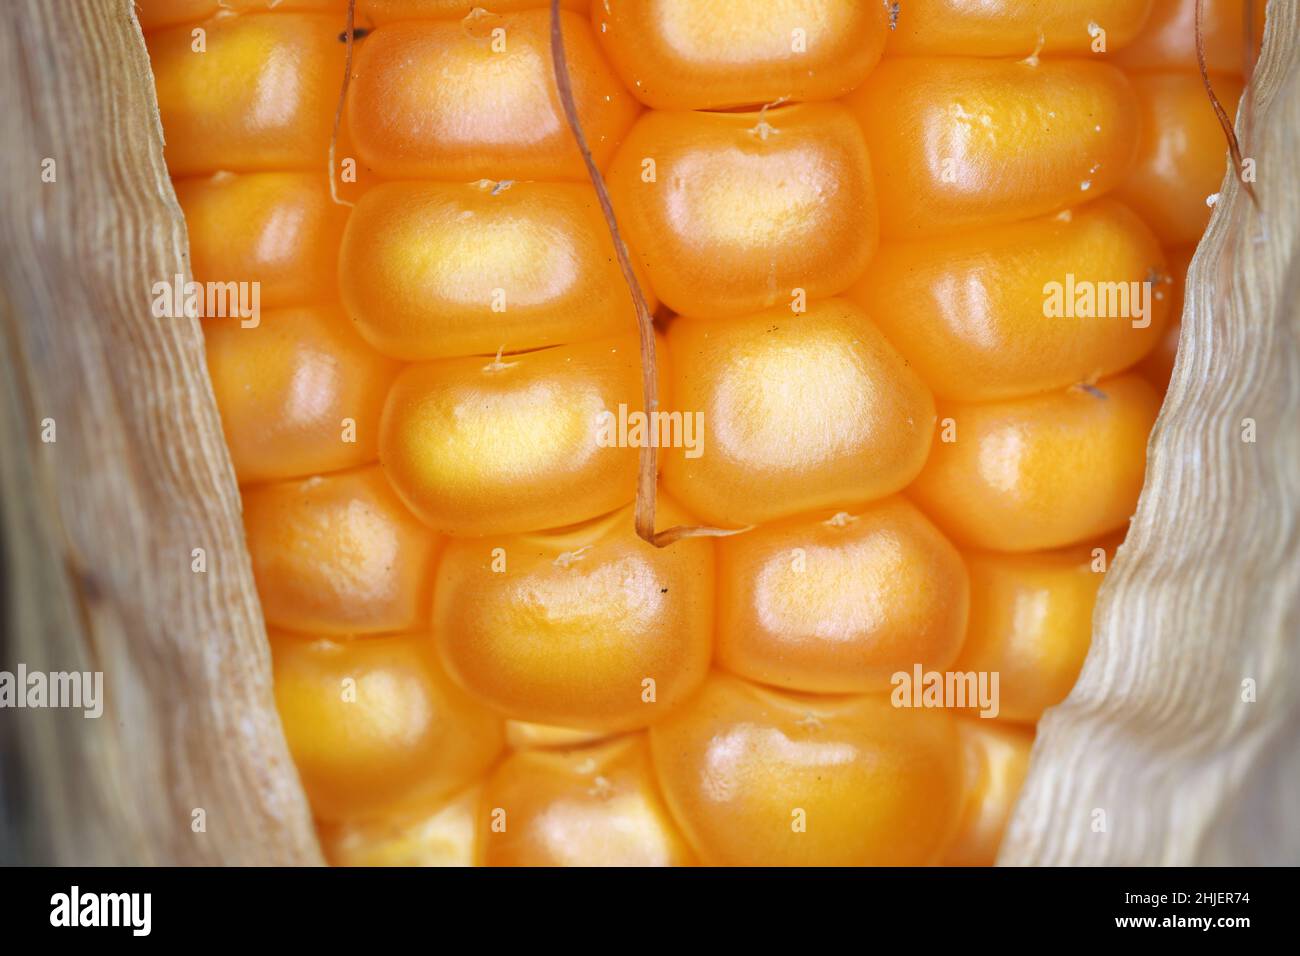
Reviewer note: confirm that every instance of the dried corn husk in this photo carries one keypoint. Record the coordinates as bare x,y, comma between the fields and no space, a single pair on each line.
1156,742
99,527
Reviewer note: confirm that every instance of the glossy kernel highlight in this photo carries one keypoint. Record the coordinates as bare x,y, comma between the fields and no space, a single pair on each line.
596,806
260,96
1005,28
1041,472
692,55
1182,156
476,98
1168,40
760,777
338,554
837,604
433,270
803,412
588,627
995,759
279,230
733,212
971,312
958,143
480,446
385,11
1031,622
162,13
374,726
300,394
439,832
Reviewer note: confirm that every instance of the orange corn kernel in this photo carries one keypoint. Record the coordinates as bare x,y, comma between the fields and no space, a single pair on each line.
1182,153
464,100
374,726
971,312
685,55
432,270
1040,472
839,604
587,627
261,95
1031,623
386,11
299,394
598,806
1014,27
164,13
957,143
757,777
734,212
280,230
338,555
1158,366
526,735
1168,41
996,761
808,412
443,834
480,446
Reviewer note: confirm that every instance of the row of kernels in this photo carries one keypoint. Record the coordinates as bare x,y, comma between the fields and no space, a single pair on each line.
1181,155
375,726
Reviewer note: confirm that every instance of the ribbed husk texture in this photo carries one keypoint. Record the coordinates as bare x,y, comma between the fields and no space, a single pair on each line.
1179,743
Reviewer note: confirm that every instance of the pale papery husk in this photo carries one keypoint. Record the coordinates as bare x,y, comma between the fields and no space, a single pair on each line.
99,527
1158,757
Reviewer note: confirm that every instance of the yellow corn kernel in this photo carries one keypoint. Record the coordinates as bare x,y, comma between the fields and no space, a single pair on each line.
588,627
441,836
758,777
840,603
996,760
374,726
801,412
338,554
1040,472
484,445
595,806
1031,623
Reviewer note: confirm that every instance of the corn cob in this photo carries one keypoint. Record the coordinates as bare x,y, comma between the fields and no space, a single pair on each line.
848,212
